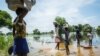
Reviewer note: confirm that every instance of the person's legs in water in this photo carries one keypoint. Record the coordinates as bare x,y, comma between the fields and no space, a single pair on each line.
90,42
67,50
67,47
57,46
78,42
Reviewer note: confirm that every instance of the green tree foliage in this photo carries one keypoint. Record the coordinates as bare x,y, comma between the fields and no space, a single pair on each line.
36,31
61,21
87,28
5,19
1,33
2,42
51,32
71,28
80,27
98,30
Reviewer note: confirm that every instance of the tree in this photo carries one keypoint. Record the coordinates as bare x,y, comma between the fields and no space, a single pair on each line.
61,21
87,28
71,28
98,30
36,31
51,32
80,27
5,19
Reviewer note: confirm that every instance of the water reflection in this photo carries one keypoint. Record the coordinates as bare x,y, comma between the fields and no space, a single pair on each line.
91,52
46,42
49,39
36,38
79,53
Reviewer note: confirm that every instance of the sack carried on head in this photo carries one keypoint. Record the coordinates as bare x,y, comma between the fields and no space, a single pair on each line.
14,4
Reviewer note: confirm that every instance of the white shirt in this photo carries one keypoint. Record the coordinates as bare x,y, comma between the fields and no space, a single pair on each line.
90,35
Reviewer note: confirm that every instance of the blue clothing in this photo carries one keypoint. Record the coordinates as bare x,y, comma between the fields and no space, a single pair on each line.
21,45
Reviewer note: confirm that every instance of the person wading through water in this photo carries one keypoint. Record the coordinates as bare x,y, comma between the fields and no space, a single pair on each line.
66,31
66,40
19,33
78,36
19,25
57,38
90,36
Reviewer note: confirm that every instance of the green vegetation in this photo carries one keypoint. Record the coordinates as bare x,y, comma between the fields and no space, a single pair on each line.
5,43
5,19
83,28
36,31
98,30
7,40
61,21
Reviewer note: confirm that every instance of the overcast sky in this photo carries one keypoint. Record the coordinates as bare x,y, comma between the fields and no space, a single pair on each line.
44,12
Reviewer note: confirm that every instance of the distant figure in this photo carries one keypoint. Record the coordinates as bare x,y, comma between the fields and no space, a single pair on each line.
90,36
57,38
67,40
78,35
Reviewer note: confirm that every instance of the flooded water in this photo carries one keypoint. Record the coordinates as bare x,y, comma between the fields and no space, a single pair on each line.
44,45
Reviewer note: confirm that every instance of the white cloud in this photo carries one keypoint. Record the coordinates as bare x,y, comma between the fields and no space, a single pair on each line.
44,12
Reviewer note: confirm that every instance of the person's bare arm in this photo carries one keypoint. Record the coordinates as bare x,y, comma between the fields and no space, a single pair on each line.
25,26
13,30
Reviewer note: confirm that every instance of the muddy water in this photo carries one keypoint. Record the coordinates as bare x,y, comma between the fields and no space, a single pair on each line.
44,45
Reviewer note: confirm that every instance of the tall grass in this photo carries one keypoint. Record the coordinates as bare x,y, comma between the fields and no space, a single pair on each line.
5,43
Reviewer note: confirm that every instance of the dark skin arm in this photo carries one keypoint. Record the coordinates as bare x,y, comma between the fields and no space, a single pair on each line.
13,30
